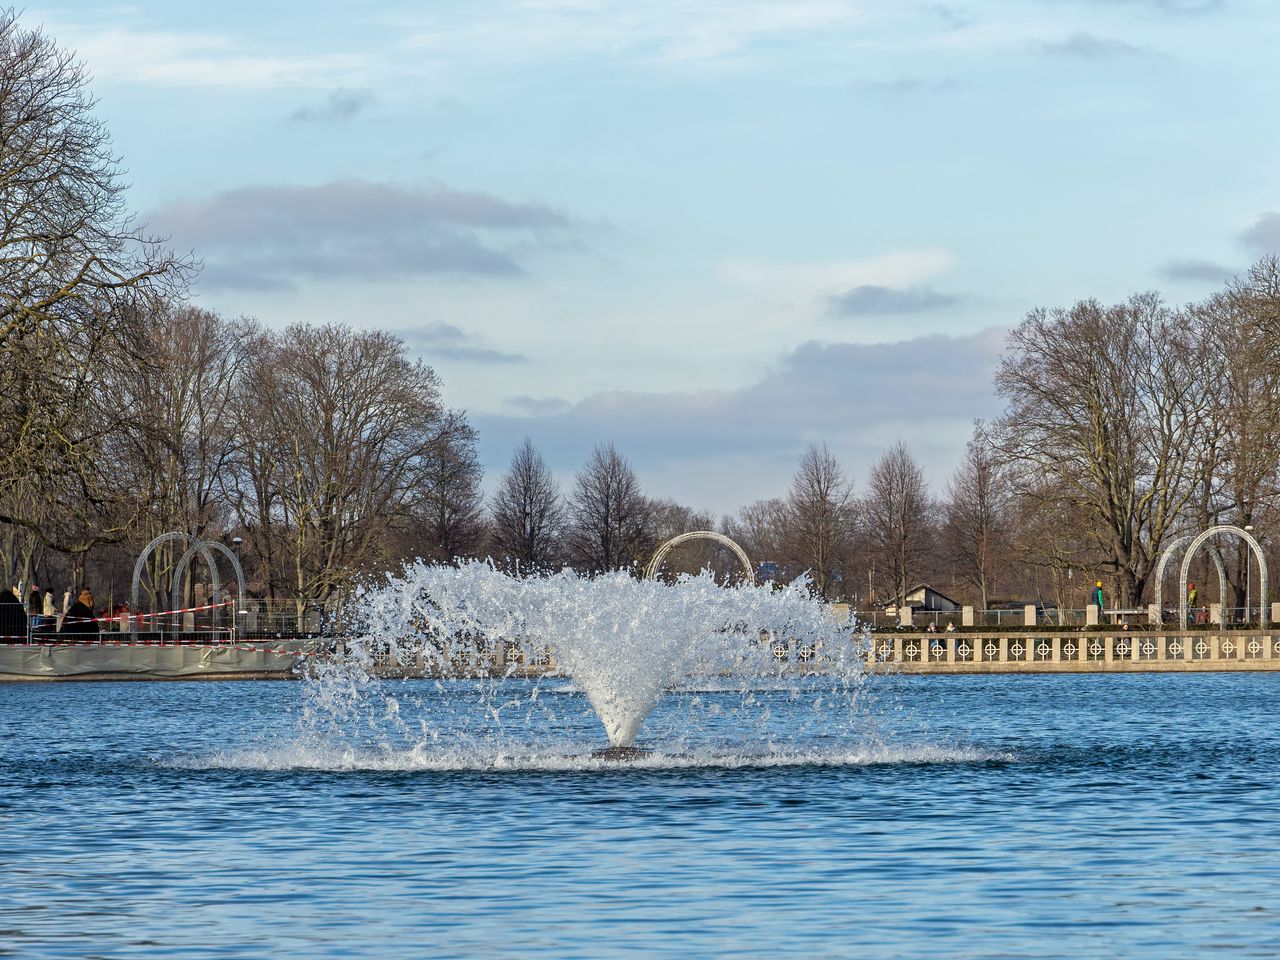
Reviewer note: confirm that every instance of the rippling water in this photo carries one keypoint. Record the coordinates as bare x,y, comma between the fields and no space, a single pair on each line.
944,816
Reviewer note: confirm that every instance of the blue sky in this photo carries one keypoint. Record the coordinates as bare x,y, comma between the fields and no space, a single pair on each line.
708,231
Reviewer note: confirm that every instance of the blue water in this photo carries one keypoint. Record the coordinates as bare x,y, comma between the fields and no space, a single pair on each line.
1117,816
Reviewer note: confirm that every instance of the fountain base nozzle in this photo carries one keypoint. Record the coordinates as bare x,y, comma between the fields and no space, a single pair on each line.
621,754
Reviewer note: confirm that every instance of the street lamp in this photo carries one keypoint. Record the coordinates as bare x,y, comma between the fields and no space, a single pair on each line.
1248,578
240,611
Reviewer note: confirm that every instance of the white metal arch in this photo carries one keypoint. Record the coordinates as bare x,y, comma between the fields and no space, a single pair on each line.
1163,563
141,563
661,554
206,548
1200,541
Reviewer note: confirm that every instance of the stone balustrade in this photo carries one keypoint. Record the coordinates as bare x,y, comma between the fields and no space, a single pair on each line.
1079,652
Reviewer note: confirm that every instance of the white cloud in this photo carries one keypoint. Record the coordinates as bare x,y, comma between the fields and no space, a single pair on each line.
723,448
127,54
661,30
818,283
437,340
273,237
1263,235
340,106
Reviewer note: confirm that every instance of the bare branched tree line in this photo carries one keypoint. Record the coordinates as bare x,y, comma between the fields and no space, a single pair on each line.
329,454
1126,425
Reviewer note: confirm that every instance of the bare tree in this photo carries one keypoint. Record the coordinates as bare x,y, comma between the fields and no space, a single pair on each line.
820,517
528,514
1112,408
341,435
182,390
897,518
70,260
670,518
67,245
760,528
1241,485
609,515
977,516
451,504
1255,303
1051,539
63,473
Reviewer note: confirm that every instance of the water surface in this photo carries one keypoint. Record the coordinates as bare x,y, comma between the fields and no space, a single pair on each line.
1129,816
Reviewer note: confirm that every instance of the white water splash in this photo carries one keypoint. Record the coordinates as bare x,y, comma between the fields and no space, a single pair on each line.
327,758
623,642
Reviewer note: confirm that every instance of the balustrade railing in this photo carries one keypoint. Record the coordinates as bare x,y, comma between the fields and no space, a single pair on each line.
923,650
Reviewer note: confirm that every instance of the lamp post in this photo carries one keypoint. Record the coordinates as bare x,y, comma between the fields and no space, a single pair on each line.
1248,579
238,610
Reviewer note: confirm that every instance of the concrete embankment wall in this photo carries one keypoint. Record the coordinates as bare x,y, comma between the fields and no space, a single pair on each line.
1002,652
113,660
914,653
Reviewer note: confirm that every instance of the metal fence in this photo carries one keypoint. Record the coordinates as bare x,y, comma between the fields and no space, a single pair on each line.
1135,618
940,620
223,622
278,618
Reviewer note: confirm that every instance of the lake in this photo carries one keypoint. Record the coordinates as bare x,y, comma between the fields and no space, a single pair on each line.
1038,816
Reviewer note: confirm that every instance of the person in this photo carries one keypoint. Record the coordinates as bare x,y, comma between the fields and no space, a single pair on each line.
13,618
1198,614
951,627
35,607
50,612
79,618
1097,596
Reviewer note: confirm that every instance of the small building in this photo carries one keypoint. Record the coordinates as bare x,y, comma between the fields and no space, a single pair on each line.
924,597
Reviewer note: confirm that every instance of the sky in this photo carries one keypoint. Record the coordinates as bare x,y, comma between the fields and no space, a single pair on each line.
709,232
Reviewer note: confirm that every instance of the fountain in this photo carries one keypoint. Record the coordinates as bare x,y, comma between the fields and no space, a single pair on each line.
623,642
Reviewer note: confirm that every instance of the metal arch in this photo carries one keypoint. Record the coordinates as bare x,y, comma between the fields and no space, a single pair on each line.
1167,555
656,563
142,562
205,548
1257,554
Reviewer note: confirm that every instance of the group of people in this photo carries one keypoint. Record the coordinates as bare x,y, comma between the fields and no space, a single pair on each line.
39,616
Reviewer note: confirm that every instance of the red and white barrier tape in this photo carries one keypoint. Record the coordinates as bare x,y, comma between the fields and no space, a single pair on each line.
146,616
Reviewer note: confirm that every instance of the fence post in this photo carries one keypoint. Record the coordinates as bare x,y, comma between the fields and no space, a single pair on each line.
1215,613
1091,615
1029,615
966,616
904,616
